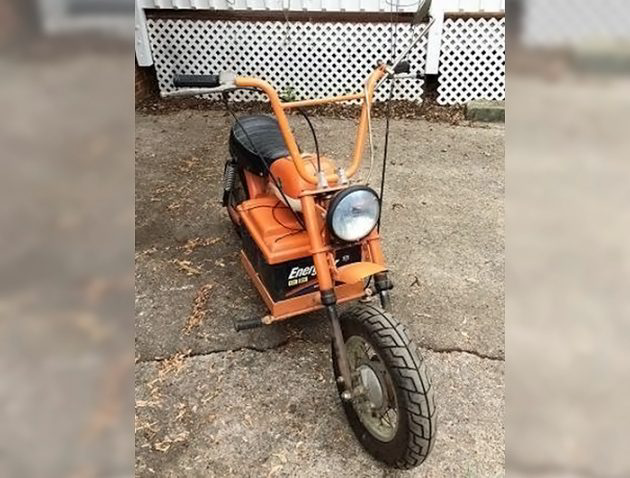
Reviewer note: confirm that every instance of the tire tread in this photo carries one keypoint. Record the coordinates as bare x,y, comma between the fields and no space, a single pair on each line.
409,374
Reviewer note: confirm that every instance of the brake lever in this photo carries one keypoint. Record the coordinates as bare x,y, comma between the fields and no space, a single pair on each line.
411,76
227,80
183,92
390,69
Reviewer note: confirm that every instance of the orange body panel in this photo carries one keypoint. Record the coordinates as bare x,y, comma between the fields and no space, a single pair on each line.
280,238
256,185
298,305
274,229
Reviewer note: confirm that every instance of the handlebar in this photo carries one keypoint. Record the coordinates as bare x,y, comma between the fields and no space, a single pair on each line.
279,108
196,81
206,84
192,85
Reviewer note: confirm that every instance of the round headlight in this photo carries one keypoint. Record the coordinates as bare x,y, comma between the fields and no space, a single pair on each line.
353,213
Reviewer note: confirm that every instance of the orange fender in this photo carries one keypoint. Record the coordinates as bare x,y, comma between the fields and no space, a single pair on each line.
353,273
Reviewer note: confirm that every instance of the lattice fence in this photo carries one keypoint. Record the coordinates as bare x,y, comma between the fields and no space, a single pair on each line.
472,60
310,59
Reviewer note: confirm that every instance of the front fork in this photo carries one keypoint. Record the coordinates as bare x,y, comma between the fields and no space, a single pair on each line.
328,297
329,300
383,285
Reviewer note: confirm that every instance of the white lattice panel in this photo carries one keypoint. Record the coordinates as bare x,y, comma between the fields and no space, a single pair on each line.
472,60
314,59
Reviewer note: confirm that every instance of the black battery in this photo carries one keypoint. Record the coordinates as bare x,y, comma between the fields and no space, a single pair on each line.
296,277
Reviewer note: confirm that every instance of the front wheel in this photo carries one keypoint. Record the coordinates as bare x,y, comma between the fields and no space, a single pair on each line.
392,411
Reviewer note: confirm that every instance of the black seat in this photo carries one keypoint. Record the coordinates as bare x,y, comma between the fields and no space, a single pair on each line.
265,133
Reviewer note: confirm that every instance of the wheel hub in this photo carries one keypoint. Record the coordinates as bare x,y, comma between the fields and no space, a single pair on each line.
372,384
373,398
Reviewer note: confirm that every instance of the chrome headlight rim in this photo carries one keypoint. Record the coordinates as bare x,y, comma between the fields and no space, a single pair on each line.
336,200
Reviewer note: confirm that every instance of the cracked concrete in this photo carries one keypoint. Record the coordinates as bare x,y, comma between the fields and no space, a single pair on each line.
288,340
251,348
214,402
454,350
282,416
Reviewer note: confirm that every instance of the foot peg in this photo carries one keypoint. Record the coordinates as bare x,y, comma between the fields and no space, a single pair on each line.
246,324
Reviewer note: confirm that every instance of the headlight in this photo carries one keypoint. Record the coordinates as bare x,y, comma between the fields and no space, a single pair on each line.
353,213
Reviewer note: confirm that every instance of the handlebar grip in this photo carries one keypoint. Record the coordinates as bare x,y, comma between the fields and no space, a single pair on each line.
402,67
196,81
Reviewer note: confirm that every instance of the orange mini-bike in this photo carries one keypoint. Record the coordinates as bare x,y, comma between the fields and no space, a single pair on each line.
310,241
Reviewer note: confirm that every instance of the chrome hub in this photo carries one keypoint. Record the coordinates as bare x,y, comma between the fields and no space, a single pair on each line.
372,385
373,396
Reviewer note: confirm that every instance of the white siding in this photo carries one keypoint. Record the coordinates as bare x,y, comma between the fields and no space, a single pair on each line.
472,6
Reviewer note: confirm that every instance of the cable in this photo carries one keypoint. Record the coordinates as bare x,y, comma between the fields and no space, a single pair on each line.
387,117
263,162
385,146
273,214
368,107
310,125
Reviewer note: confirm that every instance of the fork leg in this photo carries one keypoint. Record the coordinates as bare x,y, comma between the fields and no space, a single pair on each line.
383,285
329,300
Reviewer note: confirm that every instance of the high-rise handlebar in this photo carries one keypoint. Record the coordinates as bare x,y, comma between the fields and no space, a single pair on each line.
195,85
279,108
226,81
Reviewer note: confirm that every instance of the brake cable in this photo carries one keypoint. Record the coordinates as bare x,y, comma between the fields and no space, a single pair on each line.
368,107
394,36
310,125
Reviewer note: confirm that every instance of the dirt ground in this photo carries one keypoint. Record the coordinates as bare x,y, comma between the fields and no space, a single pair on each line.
213,402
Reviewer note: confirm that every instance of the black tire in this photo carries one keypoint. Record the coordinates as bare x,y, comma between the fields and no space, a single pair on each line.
417,418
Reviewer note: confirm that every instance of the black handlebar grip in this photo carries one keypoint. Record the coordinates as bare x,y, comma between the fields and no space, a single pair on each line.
196,81
402,67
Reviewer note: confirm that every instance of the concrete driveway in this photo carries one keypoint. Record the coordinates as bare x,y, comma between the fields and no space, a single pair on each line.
213,402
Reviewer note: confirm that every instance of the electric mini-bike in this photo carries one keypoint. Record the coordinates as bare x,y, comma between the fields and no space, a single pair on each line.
310,241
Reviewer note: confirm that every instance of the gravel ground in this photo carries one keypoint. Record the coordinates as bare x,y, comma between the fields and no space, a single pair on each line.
213,402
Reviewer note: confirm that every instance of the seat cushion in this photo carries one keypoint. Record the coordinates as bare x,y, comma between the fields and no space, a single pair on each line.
268,143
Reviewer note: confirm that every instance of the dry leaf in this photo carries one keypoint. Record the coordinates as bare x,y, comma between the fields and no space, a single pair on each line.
193,244
187,267
198,313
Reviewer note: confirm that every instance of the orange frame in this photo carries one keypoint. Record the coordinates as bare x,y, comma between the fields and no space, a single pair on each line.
323,257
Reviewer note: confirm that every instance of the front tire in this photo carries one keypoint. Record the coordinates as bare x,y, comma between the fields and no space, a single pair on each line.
390,375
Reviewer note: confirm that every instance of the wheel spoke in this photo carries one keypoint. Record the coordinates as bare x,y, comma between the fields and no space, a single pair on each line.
385,418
